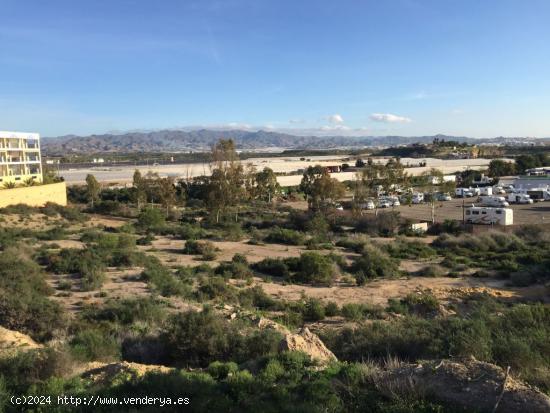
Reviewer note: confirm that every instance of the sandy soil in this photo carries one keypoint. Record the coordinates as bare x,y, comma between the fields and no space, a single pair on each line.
379,291
168,250
119,284
34,221
124,174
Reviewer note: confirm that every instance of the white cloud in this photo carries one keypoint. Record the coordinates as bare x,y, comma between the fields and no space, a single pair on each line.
389,118
335,119
297,120
335,128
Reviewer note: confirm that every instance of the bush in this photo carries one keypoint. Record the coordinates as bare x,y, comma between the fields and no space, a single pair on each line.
205,248
163,280
411,250
237,270
373,263
216,288
151,220
315,268
272,266
199,338
332,309
314,310
285,236
94,345
257,298
24,302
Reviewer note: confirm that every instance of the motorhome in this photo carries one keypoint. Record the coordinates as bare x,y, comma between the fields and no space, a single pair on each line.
517,198
463,193
538,194
493,201
486,190
489,216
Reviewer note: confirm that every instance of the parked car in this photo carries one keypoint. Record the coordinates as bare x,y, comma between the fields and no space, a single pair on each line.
384,203
443,197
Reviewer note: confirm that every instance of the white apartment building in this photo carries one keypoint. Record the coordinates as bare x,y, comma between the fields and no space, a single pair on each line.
20,160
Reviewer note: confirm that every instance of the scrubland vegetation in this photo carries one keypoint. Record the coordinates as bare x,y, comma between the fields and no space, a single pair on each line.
203,319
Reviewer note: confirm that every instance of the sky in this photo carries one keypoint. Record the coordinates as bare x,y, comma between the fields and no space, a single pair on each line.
478,68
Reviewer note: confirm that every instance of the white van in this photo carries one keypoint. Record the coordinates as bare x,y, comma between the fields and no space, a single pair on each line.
493,201
516,198
489,216
463,193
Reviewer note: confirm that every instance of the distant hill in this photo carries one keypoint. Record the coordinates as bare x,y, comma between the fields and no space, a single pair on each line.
200,140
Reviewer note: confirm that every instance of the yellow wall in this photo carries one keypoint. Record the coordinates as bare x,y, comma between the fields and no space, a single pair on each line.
34,195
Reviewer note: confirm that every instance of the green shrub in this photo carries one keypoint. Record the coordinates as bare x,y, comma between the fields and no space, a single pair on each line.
315,268
332,309
199,338
24,302
94,345
205,248
285,236
272,266
411,250
314,310
163,280
151,220
373,263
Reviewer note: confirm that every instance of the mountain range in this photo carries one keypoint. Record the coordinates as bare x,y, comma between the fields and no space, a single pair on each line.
170,140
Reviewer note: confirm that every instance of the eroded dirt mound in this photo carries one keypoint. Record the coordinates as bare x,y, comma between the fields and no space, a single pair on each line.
307,342
469,384
106,373
13,341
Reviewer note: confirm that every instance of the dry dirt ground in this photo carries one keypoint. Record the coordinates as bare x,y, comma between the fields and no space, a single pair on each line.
169,251
37,222
119,284
378,292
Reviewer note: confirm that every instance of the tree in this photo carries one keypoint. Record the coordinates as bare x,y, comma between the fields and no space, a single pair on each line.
498,167
320,189
166,193
266,185
432,182
226,185
93,188
140,188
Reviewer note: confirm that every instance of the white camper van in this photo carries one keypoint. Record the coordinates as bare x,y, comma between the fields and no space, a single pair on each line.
489,216
493,201
486,190
463,193
538,194
516,198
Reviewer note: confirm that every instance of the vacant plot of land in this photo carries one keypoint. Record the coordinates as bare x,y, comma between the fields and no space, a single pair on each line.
379,291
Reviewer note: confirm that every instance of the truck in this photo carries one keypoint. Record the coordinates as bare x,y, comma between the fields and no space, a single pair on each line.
493,201
518,198
463,193
489,215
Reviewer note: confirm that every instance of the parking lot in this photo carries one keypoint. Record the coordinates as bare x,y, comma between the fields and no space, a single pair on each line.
537,213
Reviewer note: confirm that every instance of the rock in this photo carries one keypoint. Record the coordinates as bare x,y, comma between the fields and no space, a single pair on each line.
105,373
469,384
13,341
309,343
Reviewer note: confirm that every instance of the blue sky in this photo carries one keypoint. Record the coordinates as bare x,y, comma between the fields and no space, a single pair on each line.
407,67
